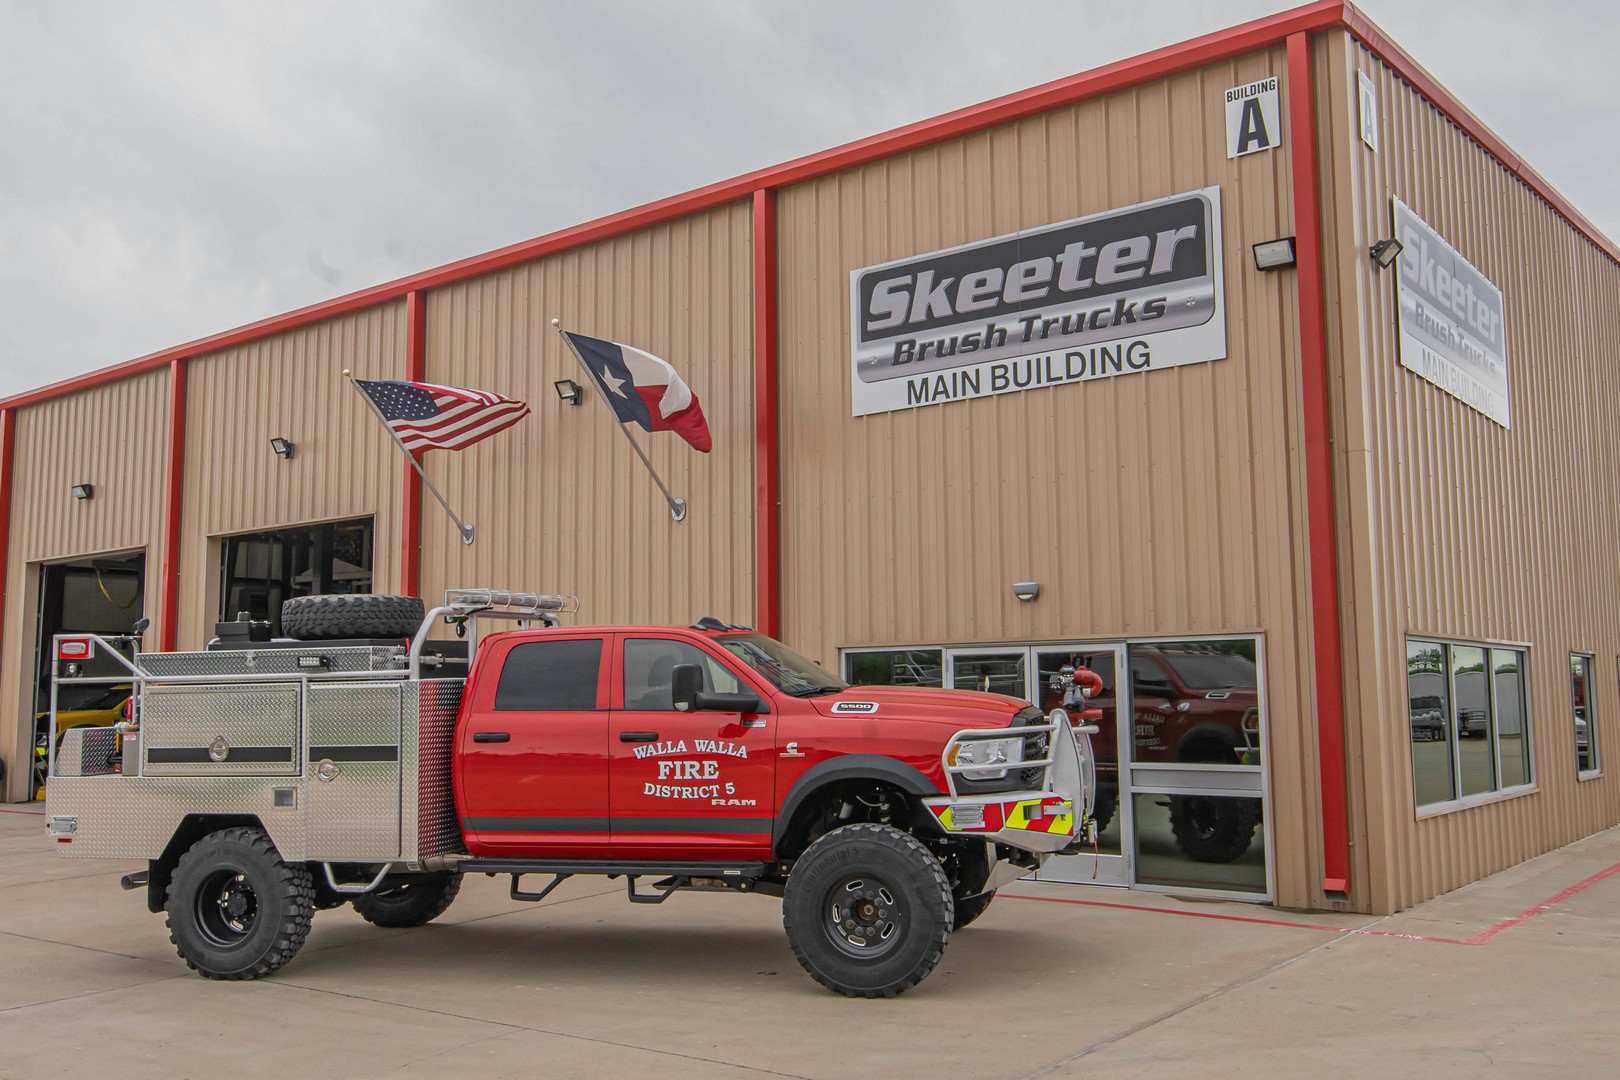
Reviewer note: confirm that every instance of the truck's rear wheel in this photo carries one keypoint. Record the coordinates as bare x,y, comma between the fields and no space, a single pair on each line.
868,911
414,901
235,909
354,615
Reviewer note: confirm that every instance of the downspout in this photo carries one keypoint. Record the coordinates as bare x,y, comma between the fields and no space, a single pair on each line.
1324,556
767,477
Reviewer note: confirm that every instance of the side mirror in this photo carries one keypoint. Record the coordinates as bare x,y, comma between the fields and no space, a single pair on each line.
685,684
743,702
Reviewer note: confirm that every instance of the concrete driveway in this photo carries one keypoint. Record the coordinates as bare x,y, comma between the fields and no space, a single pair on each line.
1054,980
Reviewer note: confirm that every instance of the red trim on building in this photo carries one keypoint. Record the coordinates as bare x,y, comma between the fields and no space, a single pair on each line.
767,445
1324,554
169,595
8,442
410,528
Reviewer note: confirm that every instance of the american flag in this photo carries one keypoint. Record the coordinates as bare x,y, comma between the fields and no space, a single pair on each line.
429,417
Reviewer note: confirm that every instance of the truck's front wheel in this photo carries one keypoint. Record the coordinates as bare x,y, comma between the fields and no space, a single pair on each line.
868,911
235,909
413,901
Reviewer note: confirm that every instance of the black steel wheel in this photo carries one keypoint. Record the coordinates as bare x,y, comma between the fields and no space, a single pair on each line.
413,901
868,911
1213,829
235,909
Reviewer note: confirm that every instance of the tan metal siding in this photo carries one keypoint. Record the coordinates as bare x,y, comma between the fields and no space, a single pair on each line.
560,502
1160,503
116,438
1463,529
344,465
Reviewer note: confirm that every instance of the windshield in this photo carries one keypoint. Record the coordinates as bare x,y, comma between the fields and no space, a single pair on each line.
787,670
1213,671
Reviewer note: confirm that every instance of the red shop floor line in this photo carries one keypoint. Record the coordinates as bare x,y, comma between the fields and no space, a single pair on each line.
1478,939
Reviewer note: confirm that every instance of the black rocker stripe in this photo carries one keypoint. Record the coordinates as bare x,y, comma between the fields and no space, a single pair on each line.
198,755
625,825
354,753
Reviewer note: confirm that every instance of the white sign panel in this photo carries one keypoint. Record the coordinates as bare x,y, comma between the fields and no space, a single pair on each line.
1367,109
1253,118
1116,293
1452,331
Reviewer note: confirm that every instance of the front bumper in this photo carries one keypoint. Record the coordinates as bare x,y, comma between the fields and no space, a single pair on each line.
1043,820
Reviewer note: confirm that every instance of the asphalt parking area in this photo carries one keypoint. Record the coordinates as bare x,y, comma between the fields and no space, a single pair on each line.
1054,980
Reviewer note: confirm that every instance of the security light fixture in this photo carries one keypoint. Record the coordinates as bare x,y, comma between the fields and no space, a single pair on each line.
569,391
1385,252
283,448
1026,590
1274,254
84,491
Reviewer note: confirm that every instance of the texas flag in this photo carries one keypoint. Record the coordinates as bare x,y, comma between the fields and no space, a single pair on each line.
644,389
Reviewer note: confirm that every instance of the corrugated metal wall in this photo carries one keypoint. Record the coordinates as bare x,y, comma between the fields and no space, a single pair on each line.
1164,503
1459,528
560,502
344,464
116,438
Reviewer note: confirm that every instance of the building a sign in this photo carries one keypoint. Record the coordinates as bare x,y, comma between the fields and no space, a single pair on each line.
1451,324
1116,293
1253,118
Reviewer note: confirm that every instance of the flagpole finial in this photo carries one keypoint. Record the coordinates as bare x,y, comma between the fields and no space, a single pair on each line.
557,323
347,374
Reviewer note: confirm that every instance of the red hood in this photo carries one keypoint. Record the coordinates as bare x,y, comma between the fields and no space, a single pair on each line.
959,706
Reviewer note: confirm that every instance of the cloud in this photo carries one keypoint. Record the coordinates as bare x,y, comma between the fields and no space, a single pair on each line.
168,171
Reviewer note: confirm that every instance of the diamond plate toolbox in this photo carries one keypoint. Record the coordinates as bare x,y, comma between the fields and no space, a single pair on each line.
243,729
306,658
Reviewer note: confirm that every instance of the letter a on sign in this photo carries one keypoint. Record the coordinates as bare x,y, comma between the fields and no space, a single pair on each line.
1253,118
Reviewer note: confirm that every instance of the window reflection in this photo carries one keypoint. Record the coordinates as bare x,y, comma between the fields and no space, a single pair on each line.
1512,732
895,667
1428,697
1200,842
1471,690
999,674
1586,748
1196,702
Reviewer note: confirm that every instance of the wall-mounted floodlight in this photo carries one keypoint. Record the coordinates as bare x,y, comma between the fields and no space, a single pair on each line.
283,448
1274,254
1385,252
569,391
84,491
1026,590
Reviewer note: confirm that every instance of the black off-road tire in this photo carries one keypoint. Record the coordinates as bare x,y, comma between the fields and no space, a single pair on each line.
355,615
968,871
414,901
235,910
868,911
1213,829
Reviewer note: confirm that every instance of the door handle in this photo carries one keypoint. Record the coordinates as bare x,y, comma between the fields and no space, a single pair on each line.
638,736
492,736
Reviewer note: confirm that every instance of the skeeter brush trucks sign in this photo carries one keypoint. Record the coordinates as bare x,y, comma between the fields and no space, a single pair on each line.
1116,293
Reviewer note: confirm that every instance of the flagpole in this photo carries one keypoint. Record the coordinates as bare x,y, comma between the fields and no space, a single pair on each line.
465,530
677,507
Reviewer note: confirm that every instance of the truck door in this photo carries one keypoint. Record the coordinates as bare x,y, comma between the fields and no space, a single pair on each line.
695,784
532,749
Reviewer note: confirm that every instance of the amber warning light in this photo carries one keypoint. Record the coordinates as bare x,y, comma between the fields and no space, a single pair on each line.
75,649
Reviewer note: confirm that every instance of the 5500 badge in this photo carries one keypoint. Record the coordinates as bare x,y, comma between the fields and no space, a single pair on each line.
1111,294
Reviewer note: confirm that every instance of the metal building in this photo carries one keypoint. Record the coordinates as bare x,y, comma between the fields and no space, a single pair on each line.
1334,530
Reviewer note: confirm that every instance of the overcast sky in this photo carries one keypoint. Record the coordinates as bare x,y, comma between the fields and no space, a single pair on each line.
171,170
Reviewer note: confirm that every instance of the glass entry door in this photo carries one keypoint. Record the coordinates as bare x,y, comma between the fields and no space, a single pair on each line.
1028,672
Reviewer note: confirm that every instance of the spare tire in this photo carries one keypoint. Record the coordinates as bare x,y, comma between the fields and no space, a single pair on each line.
358,615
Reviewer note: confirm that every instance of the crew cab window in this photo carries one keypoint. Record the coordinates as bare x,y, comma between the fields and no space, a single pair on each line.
550,676
649,669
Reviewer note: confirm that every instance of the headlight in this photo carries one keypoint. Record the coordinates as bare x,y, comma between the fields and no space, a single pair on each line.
987,753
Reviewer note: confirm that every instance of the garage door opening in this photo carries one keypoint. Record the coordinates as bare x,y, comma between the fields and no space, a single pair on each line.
103,595
259,571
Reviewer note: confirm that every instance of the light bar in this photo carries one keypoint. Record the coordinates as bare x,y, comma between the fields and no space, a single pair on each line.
512,601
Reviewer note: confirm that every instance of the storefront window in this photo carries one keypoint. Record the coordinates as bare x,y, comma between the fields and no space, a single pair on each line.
895,667
1586,741
1469,724
260,571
